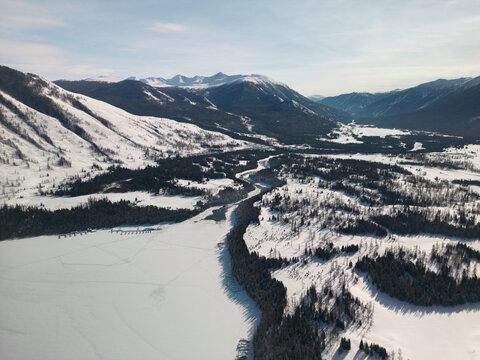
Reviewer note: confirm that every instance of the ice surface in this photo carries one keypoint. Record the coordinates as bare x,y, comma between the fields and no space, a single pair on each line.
167,294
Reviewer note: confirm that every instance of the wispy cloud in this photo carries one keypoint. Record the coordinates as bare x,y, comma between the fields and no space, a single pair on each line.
164,27
30,52
45,60
21,15
30,22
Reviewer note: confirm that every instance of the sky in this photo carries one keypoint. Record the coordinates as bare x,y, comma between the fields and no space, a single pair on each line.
316,47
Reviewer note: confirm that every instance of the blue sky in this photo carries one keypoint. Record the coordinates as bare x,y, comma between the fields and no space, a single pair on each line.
316,47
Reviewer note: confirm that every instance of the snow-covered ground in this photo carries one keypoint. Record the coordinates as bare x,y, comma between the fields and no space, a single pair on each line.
352,133
167,294
429,172
364,130
139,198
213,186
164,293
415,332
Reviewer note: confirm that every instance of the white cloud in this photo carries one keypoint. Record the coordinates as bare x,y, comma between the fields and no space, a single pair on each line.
163,27
45,60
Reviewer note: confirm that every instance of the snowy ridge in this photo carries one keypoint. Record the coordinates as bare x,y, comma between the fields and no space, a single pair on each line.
38,151
196,81
201,82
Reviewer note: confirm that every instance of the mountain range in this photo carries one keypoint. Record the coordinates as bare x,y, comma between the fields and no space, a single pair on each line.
111,121
445,106
44,127
251,107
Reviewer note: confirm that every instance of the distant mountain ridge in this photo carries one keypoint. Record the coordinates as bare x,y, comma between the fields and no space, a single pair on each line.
243,106
446,106
412,99
194,82
201,81
457,113
355,102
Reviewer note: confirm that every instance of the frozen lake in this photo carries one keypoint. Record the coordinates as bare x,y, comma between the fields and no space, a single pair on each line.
160,295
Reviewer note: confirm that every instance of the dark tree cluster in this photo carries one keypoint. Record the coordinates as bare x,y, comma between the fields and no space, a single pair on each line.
20,221
345,344
304,333
324,252
417,221
400,277
363,227
374,184
443,162
373,349
466,182
328,251
378,184
308,210
467,251
351,249
254,275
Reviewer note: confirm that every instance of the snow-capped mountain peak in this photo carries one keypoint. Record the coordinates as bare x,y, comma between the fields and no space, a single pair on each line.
105,78
198,81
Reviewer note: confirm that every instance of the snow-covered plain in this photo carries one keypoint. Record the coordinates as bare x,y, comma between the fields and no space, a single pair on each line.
167,294
363,130
353,133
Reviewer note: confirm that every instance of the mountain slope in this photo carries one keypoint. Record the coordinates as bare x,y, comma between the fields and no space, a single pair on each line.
48,134
275,110
249,107
176,103
352,103
412,99
456,113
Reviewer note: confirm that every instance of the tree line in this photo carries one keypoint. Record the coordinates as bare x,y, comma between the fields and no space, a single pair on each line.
411,281
22,221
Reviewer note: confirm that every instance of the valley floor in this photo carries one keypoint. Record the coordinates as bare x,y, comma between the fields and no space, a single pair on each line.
166,292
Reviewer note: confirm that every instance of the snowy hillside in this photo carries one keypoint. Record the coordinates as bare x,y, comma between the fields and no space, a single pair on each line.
321,226
58,134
